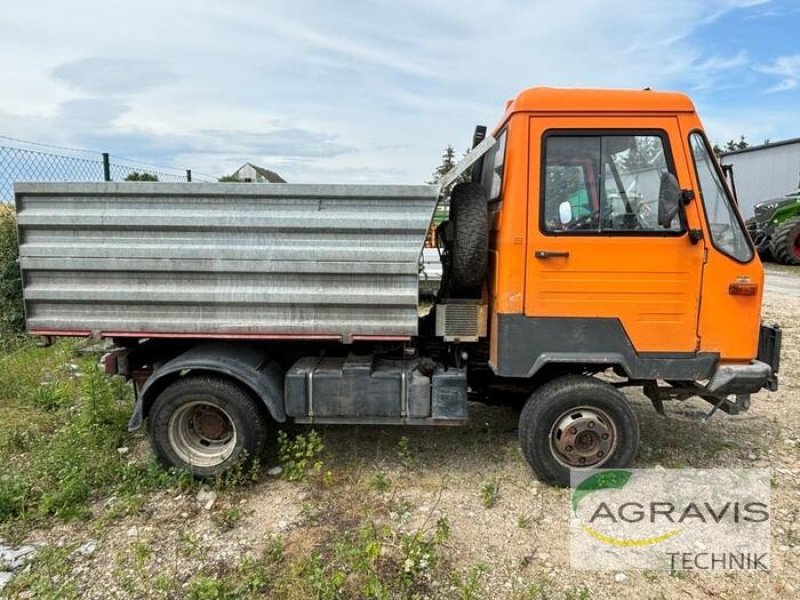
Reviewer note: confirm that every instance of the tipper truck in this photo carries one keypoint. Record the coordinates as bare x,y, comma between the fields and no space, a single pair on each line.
595,246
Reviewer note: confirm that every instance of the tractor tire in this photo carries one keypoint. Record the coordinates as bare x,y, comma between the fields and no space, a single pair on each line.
206,426
577,422
470,247
785,244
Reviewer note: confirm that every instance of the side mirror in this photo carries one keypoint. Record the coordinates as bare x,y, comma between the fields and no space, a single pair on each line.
565,212
669,200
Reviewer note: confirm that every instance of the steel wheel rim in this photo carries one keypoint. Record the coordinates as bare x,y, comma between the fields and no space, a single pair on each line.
797,245
202,434
583,437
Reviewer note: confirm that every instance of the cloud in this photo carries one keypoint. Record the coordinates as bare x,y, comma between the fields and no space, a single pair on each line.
88,114
112,76
786,69
341,92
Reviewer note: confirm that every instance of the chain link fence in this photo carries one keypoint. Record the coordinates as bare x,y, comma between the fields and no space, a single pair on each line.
25,161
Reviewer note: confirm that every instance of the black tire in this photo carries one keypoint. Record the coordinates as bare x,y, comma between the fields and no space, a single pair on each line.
235,427
470,250
596,408
785,244
765,254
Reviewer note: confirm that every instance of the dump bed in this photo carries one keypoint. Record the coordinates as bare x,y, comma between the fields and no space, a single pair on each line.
222,260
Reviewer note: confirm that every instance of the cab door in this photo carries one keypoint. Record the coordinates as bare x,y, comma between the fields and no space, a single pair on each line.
603,240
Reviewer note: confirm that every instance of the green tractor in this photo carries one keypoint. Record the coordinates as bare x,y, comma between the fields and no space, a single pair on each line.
775,229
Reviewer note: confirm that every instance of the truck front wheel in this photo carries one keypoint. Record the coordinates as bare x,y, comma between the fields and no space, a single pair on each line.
206,425
577,422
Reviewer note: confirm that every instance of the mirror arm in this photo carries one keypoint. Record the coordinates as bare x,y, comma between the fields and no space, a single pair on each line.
687,196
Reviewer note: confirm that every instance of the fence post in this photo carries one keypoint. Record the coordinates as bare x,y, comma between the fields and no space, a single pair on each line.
106,167
189,175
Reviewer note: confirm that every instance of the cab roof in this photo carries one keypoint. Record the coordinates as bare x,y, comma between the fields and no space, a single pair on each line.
543,99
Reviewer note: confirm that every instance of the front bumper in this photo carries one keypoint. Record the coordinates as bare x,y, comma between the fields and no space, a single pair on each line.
741,378
751,377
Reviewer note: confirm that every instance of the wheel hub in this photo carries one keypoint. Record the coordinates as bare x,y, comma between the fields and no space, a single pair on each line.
210,423
202,434
583,437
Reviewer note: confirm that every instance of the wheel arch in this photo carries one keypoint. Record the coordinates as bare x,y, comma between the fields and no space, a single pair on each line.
245,365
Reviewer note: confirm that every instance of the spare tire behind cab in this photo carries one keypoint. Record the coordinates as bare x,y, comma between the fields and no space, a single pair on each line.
470,244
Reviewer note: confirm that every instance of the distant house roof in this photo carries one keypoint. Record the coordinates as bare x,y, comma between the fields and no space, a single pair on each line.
261,172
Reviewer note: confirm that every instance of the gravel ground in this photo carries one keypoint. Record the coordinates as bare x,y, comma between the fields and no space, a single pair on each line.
523,538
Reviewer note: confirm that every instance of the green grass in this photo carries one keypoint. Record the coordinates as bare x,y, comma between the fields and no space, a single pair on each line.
61,422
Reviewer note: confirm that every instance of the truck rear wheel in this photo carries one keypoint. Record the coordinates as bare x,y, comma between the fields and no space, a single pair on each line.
785,243
470,216
577,422
206,425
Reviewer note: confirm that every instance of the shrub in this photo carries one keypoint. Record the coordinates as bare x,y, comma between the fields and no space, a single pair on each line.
12,315
299,457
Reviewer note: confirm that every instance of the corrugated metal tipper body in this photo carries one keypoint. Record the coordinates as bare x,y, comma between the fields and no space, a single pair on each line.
222,260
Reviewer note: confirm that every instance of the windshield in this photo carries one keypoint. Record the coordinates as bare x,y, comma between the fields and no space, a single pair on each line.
727,234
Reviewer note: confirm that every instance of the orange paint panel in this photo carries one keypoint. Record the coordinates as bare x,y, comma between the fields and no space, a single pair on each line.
650,283
670,294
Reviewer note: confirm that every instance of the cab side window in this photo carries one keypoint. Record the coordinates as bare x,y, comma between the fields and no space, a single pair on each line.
606,183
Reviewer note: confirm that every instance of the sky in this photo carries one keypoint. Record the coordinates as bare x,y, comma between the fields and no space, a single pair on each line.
368,91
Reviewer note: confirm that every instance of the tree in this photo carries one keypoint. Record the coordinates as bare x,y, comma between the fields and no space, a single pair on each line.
229,179
12,314
448,161
136,176
732,146
642,154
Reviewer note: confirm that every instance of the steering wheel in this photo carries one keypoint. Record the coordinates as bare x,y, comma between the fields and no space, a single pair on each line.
582,222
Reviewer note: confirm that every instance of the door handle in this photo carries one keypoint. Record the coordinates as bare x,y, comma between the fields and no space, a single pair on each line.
551,254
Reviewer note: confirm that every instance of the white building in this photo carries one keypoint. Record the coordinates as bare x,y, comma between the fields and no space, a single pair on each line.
252,174
762,172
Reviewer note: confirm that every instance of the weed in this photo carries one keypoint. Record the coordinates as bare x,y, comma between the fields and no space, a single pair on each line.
468,587
245,472
142,553
299,457
401,511
50,575
227,518
523,522
274,550
579,593
490,491
253,579
52,396
188,544
379,482
532,591
404,451
442,530
202,587
163,586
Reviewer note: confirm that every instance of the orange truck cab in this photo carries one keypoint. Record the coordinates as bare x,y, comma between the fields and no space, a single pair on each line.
591,244
614,244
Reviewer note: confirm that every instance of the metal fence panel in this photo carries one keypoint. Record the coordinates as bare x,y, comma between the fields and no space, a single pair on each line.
222,259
